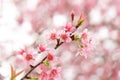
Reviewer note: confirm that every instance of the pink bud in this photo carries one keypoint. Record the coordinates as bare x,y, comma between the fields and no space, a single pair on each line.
21,51
72,15
69,28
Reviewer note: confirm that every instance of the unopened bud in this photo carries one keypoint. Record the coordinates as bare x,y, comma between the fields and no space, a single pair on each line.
72,15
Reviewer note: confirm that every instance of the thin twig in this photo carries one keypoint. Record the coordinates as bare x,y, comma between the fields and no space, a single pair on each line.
33,67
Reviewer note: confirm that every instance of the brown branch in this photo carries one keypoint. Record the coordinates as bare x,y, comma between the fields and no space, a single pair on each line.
32,68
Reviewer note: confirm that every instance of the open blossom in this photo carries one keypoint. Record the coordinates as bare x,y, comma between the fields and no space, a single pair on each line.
53,35
53,72
69,28
29,58
50,56
49,72
43,75
41,48
65,37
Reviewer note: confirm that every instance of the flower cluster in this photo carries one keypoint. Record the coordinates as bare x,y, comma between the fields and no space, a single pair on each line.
63,34
45,62
49,69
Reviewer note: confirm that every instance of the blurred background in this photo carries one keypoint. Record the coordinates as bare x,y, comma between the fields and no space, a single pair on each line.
24,23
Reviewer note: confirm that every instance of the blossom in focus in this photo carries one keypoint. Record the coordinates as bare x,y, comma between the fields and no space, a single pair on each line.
41,48
65,37
69,28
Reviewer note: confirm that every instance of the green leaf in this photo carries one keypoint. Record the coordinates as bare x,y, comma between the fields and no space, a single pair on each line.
76,37
46,62
80,22
14,74
34,79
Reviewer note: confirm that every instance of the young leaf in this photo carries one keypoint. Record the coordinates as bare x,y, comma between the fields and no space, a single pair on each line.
34,79
14,74
46,62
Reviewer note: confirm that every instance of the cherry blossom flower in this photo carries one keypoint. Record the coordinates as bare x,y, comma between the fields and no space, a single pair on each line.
43,75
53,35
50,56
65,37
29,58
69,28
41,48
53,73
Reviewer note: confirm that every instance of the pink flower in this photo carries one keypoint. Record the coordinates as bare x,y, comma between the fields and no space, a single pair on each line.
53,72
42,48
43,75
50,56
29,58
65,37
69,28
43,67
53,36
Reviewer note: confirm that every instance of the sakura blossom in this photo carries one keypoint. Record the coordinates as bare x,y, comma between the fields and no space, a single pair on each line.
59,40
